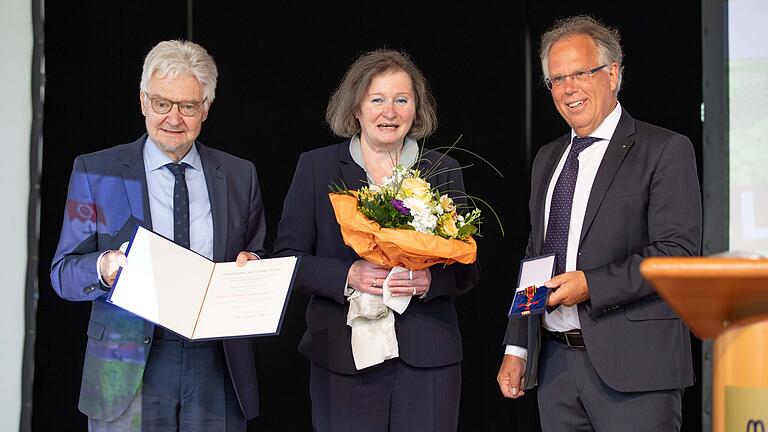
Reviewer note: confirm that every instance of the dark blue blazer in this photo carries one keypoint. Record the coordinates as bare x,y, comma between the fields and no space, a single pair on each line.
645,201
428,332
107,198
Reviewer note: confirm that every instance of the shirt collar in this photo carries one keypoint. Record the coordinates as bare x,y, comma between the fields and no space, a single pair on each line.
408,156
607,127
154,158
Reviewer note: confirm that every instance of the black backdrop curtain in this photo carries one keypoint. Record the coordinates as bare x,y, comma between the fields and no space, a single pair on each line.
279,63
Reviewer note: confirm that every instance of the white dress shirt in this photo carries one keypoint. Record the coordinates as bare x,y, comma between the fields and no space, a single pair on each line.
566,318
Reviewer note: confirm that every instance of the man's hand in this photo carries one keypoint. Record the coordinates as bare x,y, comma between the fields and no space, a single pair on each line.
110,264
367,277
569,288
510,377
245,256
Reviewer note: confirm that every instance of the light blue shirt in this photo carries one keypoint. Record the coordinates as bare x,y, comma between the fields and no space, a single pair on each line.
160,183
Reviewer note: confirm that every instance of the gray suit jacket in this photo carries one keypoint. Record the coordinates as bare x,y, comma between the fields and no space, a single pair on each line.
645,201
107,198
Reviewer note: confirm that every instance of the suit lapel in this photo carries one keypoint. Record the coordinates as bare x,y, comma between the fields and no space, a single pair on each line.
135,182
621,142
351,173
542,188
217,195
539,194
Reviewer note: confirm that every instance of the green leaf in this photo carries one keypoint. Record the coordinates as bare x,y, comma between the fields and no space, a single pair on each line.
466,231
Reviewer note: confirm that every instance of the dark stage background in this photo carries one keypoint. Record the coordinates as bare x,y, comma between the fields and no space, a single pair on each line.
279,63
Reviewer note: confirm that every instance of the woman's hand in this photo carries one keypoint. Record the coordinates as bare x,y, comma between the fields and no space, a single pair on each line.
410,283
367,277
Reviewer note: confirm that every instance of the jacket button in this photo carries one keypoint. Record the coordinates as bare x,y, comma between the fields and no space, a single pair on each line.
89,289
147,339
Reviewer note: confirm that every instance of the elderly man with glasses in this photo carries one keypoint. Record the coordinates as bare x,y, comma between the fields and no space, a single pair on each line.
138,376
610,354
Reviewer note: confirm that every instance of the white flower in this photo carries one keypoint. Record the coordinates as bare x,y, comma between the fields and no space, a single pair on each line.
399,173
424,224
423,218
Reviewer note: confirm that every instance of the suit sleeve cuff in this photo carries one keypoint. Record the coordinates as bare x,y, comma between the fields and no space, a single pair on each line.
98,270
516,351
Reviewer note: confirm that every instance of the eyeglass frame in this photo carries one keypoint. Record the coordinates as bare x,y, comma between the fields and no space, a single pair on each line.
177,103
576,76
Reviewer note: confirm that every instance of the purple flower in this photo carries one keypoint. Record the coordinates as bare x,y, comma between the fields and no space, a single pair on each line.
398,205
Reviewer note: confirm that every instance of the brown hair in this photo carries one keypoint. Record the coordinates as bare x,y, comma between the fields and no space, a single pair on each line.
346,100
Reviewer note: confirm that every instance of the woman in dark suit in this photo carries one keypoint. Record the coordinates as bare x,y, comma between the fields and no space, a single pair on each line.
383,106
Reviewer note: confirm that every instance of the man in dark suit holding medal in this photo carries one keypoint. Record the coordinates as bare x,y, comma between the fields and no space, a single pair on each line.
612,355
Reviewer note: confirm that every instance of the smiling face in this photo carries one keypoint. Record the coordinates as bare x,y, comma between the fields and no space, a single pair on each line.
387,110
583,104
174,133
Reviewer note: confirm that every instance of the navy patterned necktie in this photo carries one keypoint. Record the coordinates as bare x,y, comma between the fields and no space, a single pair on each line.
180,204
556,240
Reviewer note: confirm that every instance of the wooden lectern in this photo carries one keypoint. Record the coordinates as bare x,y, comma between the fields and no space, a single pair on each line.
725,299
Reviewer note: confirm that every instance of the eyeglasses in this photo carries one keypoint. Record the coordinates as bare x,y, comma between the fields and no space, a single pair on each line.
164,106
582,75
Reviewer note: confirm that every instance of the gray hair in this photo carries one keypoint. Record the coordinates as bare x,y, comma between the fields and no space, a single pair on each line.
345,101
171,58
606,38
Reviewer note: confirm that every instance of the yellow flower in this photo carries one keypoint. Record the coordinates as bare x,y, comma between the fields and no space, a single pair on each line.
414,187
447,225
365,194
446,203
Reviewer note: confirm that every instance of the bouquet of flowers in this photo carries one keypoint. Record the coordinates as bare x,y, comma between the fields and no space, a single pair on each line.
405,222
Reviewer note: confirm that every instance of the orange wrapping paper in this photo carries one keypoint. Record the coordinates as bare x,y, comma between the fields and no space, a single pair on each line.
396,247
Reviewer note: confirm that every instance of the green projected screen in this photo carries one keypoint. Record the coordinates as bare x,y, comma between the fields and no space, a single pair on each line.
748,125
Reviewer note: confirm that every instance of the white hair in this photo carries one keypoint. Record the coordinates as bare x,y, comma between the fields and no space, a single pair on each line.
171,58
607,40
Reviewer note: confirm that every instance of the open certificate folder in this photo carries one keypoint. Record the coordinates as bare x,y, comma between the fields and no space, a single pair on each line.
190,295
